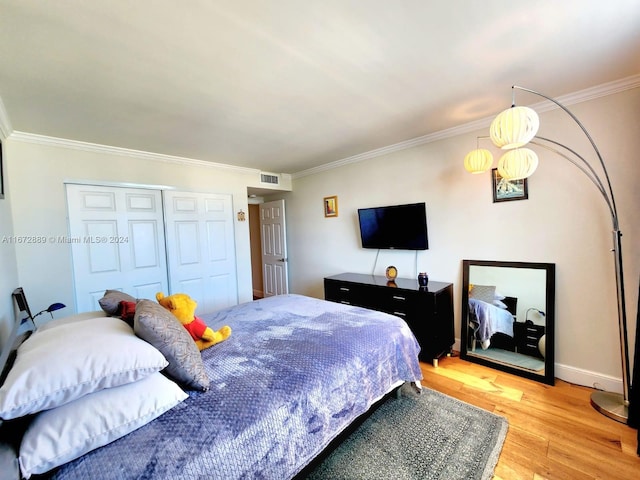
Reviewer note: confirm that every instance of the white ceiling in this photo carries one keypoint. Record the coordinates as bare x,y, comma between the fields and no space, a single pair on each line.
287,85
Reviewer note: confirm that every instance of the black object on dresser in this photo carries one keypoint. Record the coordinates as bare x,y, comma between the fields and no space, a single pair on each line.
427,310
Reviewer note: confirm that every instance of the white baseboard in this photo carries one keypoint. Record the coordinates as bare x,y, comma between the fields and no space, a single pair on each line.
579,376
588,378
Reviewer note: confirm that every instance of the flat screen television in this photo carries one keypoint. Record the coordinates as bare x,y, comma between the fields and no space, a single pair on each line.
400,227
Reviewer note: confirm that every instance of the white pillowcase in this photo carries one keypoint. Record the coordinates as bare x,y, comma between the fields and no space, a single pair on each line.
498,296
78,317
58,436
500,304
61,364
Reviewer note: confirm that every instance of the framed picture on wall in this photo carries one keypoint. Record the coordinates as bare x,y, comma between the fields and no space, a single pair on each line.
506,190
331,206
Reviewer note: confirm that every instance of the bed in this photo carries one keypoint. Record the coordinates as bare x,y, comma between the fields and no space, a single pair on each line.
491,318
295,373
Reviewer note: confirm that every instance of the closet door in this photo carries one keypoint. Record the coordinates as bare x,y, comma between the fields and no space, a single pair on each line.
201,248
117,241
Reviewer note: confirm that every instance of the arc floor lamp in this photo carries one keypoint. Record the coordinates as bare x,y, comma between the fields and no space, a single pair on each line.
511,130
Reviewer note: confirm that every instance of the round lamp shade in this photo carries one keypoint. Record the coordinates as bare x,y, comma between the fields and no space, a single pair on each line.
478,161
514,127
518,163
542,345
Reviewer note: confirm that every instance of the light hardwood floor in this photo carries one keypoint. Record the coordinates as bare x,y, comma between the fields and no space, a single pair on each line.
554,433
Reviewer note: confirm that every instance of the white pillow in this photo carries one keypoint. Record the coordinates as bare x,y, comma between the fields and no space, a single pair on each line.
60,435
78,317
58,365
500,304
498,296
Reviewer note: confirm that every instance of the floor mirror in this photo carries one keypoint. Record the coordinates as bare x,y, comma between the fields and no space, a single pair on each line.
508,317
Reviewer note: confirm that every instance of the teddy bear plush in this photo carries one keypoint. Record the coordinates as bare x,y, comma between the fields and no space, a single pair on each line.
184,308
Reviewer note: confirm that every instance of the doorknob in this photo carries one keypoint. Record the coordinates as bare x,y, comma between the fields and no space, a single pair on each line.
282,259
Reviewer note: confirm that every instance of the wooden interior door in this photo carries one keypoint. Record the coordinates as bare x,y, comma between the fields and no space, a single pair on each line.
275,280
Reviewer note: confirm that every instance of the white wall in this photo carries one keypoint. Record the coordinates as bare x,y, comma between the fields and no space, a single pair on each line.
564,221
8,267
36,174
526,285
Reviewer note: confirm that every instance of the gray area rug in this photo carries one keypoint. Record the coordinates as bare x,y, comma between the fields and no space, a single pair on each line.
426,436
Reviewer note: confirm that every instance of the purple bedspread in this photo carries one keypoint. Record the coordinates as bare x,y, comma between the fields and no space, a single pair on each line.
294,373
488,319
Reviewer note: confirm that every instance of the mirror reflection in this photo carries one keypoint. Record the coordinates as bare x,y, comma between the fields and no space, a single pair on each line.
508,315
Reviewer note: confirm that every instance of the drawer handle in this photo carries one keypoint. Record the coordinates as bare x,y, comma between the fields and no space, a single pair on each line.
529,337
345,302
396,297
400,314
533,330
344,289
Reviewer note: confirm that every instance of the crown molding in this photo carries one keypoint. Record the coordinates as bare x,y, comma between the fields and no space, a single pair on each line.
125,152
592,93
587,94
396,147
610,88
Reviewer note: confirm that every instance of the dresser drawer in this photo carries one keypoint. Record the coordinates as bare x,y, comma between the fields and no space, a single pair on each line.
343,292
527,336
395,302
525,331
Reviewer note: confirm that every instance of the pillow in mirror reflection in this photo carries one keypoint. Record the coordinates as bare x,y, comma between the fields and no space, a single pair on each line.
541,345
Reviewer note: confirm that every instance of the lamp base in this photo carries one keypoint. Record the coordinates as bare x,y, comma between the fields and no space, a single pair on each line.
610,404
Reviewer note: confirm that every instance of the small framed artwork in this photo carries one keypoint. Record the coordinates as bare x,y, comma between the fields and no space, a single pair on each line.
506,190
331,206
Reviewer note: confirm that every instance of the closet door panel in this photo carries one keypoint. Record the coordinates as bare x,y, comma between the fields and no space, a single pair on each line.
117,241
145,250
103,257
201,248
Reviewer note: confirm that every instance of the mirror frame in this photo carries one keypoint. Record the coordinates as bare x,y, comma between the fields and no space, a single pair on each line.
549,374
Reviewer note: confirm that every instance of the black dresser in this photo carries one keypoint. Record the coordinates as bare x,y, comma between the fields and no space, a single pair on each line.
527,336
427,310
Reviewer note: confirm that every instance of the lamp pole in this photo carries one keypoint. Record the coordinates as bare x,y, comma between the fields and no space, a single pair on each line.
613,405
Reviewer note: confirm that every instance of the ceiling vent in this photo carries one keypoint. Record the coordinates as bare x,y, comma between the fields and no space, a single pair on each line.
269,178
